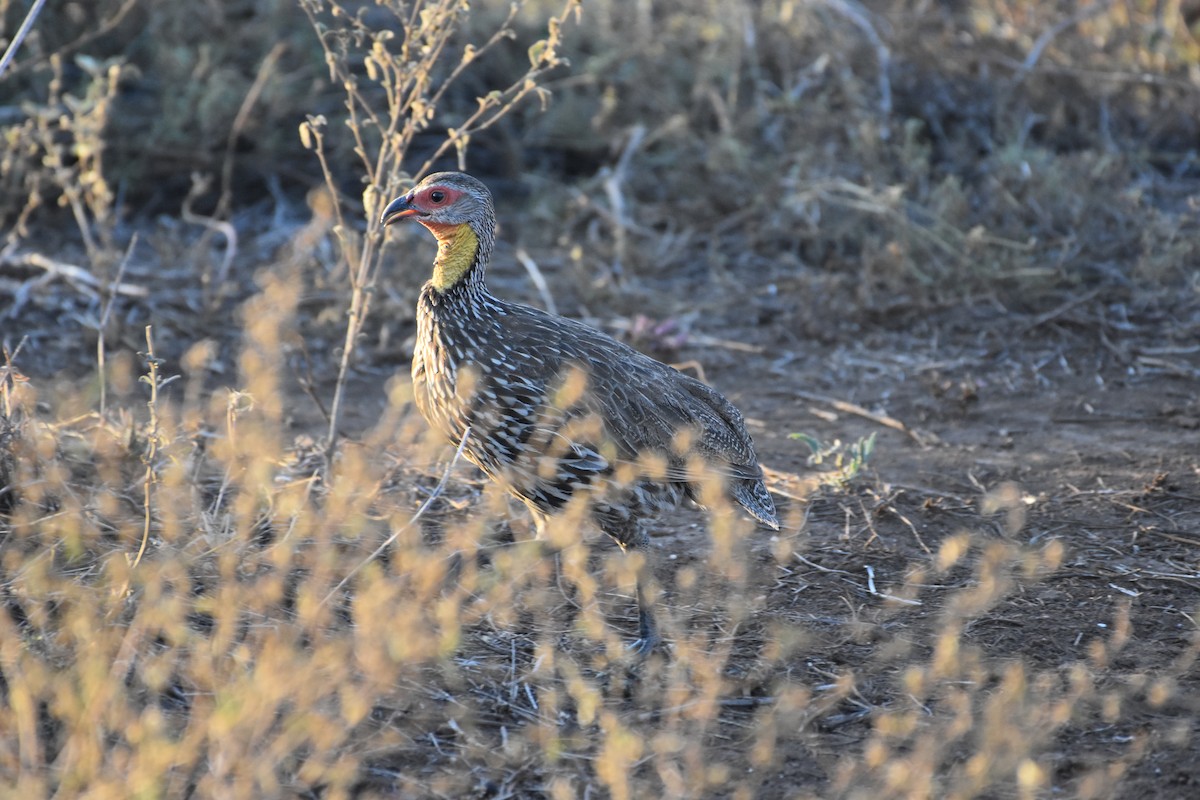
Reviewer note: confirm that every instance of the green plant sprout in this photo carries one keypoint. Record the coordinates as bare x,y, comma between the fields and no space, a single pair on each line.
848,459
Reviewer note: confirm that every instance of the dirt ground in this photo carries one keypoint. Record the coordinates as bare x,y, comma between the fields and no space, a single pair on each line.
1091,426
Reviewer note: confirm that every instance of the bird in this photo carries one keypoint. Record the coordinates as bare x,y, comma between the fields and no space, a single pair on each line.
552,409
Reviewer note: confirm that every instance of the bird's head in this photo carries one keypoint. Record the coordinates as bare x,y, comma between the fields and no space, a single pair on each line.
444,199
457,209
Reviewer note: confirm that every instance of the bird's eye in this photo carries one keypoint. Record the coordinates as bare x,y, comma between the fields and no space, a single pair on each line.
437,196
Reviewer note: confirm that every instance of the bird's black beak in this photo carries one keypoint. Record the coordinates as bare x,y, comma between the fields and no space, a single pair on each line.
398,209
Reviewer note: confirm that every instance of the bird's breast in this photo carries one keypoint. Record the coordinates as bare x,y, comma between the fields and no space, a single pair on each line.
454,369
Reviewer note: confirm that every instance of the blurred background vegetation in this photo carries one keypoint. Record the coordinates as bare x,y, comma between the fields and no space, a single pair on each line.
909,153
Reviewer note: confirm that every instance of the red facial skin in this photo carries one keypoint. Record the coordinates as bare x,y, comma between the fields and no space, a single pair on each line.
426,203
420,206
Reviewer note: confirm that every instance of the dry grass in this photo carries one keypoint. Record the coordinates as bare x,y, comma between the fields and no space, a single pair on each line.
194,605
257,650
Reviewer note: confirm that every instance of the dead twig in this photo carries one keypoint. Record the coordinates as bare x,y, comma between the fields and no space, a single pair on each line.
921,438
1173,537
861,19
26,26
10,376
818,567
78,277
239,122
539,280
103,325
911,527
152,443
700,339
1176,368
75,275
1058,311
884,595
613,182
747,702
930,492
1051,33
226,229
65,50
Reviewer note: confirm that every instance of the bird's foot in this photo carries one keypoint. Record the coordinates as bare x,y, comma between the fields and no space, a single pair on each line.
647,642
642,648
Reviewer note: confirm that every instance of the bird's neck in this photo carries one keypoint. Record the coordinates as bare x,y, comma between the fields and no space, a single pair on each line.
461,257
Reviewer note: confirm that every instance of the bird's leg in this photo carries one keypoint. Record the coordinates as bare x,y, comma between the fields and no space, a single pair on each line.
548,550
648,635
548,544
540,536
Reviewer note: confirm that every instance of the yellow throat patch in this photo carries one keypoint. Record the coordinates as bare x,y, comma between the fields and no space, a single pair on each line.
457,247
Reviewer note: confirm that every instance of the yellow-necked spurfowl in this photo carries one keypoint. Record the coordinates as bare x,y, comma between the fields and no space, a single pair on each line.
500,373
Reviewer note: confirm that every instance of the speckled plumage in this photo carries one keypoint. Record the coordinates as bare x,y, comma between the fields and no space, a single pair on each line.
555,407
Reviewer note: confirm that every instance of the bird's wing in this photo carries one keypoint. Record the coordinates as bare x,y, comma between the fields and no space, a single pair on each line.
643,402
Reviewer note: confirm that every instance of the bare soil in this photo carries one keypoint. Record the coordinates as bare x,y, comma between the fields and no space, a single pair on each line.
1075,430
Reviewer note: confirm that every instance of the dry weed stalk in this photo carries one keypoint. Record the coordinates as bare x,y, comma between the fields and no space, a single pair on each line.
153,442
102,326
58,149
14,44
12,420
